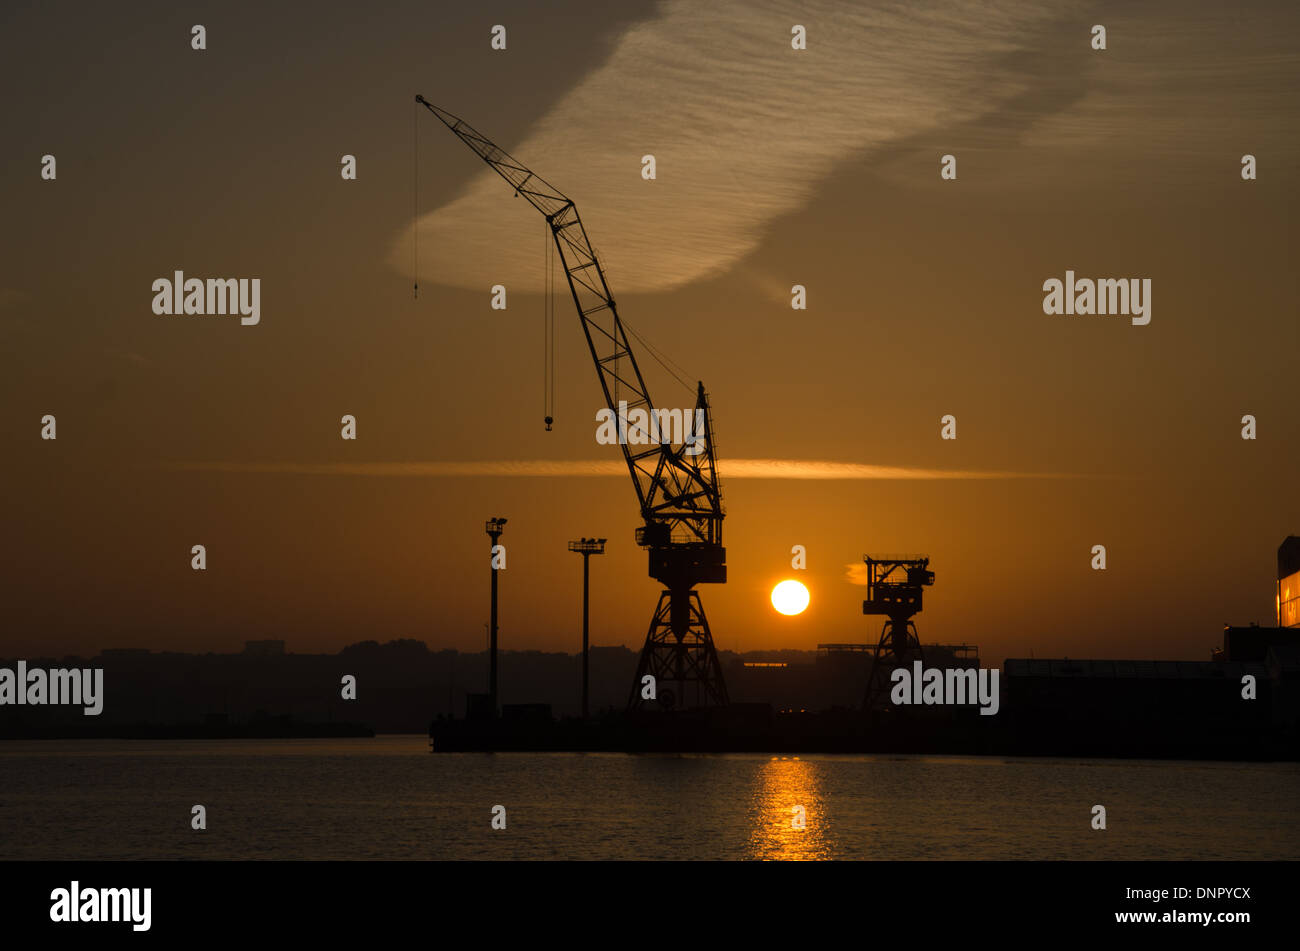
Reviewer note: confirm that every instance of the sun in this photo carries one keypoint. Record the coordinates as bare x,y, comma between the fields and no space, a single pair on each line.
790,597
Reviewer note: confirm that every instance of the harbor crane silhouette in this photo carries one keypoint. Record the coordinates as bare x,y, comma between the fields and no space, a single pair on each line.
894,584
677,487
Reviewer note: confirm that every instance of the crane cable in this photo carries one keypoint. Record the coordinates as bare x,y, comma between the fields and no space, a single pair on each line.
551,410
548,329
661,358
548,338
548,303
415,196
658,358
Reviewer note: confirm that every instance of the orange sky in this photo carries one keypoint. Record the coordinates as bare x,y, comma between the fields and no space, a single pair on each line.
924,299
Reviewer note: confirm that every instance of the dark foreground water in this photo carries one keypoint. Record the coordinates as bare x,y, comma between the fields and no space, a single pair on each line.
389,798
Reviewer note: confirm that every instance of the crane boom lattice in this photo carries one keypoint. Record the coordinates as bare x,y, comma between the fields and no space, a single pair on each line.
677,486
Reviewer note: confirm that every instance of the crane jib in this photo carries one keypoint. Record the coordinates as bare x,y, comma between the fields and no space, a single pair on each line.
692,511
681,503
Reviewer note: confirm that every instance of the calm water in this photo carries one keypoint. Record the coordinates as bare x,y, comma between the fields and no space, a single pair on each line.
389,798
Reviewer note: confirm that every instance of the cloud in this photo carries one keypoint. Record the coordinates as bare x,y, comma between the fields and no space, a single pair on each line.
728,469
743,128
813,469
856,573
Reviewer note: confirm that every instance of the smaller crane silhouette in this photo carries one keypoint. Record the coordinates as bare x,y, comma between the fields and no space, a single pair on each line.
894,584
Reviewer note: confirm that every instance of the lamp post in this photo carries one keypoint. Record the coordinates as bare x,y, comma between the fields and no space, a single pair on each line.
586,547
495,526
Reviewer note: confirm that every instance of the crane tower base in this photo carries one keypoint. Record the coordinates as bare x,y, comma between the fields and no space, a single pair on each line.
684,664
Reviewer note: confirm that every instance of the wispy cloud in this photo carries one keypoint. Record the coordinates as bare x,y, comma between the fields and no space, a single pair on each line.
743,129
856,573
728,469
813,469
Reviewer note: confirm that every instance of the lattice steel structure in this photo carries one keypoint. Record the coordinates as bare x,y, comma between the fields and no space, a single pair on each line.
677,487
894,584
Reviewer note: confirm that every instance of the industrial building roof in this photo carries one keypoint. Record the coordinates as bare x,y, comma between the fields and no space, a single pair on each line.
1130,669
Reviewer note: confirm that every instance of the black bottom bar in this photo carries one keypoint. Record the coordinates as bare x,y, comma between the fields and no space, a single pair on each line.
491,902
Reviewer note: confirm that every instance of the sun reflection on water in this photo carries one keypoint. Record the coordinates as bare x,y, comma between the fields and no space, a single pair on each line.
788,793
